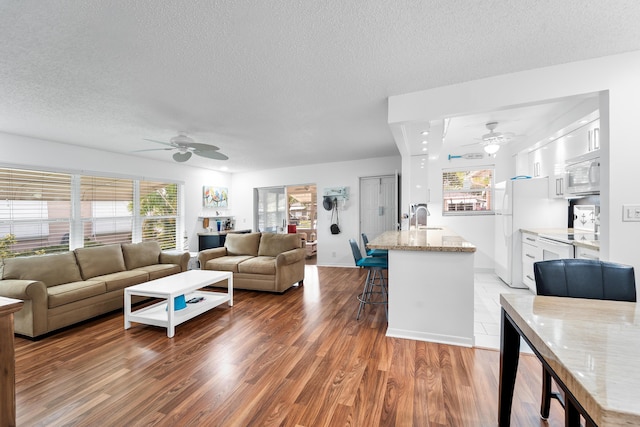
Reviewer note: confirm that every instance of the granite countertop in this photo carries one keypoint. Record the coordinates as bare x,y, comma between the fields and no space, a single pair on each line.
582,238
221,232
591,345
433,239
589,244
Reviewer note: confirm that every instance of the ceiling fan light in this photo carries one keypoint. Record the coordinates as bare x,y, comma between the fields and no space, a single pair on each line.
181,157
491,148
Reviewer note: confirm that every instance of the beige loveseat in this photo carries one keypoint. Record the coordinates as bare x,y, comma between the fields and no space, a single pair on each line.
259,261
62,289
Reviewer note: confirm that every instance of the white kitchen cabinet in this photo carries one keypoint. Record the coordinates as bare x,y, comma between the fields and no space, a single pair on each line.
587,253
531,253
549,159
557,186
583,140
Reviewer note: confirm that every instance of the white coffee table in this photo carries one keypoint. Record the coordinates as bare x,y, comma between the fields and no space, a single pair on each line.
186,283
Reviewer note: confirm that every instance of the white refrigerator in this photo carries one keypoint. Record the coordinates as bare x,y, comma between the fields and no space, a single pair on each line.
522,203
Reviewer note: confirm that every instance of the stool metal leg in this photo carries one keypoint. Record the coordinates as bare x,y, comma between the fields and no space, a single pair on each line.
367,292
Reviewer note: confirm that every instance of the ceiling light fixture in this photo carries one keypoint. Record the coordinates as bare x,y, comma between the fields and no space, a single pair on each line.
424,132
425,142
424,149
491,148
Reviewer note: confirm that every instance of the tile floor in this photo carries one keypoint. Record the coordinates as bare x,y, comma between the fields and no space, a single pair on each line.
487,290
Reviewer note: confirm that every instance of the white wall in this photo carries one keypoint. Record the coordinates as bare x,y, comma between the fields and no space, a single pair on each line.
620,151
340,174
18,151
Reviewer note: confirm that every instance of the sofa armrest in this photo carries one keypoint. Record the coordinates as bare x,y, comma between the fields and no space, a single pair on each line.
24,290
290,257
31,319
173,258
207,254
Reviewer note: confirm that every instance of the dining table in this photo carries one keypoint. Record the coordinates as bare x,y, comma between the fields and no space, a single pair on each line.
590,347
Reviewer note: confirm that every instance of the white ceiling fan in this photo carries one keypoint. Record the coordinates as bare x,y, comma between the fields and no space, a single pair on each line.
492,141
186,147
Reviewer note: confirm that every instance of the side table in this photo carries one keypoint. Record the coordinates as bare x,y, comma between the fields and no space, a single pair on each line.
8,306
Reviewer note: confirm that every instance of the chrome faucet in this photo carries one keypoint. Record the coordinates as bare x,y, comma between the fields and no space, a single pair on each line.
426,214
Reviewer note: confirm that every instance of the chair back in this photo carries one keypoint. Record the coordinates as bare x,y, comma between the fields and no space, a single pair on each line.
357,255
585,278
365,240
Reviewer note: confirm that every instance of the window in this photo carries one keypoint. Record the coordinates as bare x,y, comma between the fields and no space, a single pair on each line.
467,192
106,210
159,212
271,209
46,212
35,212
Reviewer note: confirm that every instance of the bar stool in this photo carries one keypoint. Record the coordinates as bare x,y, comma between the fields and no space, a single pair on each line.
373,252
375,267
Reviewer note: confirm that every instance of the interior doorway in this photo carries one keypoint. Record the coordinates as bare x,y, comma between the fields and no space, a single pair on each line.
289,209
302,210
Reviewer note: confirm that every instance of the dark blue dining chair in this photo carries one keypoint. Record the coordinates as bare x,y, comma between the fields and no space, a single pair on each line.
580,278
375,267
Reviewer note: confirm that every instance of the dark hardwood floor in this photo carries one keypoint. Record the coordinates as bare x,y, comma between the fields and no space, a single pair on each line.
297,359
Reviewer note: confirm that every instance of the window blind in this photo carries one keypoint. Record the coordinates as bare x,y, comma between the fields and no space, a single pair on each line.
35,212
159,212
106,210
44,212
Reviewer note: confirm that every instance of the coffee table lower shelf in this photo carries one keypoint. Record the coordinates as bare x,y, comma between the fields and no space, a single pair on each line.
157,314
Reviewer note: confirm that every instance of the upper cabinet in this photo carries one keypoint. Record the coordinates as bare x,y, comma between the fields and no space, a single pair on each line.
550,158
583,140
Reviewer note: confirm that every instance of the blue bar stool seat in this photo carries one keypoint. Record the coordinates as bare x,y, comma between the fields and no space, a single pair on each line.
373,252
375,279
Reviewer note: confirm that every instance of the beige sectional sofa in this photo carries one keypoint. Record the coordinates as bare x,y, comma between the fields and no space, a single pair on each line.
259,261
59,290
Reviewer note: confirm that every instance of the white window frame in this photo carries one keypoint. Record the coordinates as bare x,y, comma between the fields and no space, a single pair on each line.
490,195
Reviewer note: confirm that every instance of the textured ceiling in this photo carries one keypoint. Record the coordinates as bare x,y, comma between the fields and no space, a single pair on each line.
272,83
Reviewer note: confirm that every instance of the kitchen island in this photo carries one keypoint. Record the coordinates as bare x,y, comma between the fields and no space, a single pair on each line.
430,285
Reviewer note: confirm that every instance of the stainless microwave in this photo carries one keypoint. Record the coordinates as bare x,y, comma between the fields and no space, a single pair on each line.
583,175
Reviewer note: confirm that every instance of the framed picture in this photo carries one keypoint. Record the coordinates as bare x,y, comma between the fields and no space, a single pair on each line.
215,197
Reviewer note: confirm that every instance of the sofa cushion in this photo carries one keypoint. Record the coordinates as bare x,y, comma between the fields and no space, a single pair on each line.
242,244
140,254
159,270
74,291
123,279
258,265
273,244
226,263
99,260
52,270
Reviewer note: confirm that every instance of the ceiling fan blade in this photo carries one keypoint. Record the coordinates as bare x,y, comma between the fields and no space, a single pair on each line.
152,149
182,157
202,147
159,142
211,154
